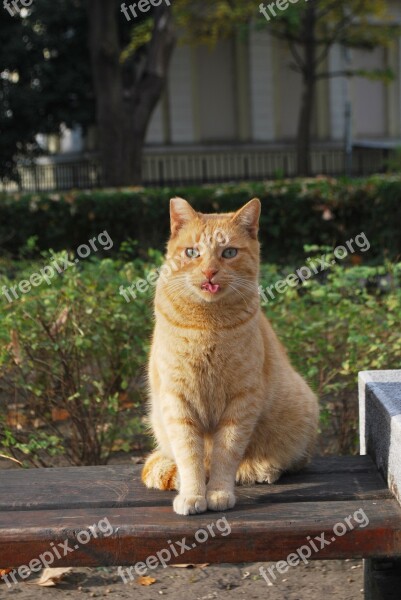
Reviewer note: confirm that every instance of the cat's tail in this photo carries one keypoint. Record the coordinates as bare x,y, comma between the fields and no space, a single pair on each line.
160,472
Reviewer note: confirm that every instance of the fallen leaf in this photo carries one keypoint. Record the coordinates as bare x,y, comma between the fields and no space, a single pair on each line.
60,414
118,445
51,577
4,572
16,419
356,260
146,580
190,566
125,401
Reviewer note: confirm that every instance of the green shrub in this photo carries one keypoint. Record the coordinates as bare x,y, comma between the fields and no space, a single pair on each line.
335,325
73,354
71,358
294,213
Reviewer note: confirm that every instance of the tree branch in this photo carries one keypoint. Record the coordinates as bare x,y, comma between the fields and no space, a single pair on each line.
296,55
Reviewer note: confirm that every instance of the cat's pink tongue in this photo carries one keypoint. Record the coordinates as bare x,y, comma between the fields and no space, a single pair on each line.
213,288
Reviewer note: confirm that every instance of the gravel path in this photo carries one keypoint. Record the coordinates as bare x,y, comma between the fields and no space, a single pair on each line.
339,580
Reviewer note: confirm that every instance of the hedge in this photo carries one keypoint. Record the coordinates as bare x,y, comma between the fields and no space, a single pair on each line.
322,211
80,338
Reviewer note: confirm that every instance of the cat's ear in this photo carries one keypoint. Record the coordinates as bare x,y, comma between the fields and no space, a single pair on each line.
248,216
181,212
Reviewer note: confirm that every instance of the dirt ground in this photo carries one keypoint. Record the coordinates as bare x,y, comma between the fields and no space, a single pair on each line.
339,580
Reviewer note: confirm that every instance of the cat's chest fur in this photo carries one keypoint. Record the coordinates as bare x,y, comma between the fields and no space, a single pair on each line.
203,360
205,367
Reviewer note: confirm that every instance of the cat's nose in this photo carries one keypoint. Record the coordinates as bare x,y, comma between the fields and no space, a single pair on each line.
209,273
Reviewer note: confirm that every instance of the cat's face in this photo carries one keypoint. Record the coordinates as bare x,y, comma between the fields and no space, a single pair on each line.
213,257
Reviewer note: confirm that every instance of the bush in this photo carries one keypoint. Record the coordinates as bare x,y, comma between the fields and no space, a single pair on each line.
73,355
335,325
71,363
294,213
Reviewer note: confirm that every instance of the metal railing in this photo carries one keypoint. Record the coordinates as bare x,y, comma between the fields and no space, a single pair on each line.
197,166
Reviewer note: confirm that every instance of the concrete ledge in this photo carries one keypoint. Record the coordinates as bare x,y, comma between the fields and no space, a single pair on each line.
380,423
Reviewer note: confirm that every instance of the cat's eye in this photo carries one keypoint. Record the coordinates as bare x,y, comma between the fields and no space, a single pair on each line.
229,253
192,253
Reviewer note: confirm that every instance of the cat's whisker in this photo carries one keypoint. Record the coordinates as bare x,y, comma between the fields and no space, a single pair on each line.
249,288
177,294
251,283
239,293
245,284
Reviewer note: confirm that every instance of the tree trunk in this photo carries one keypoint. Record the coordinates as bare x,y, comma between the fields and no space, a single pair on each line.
305,127
124,105
147,91
308,92
107,80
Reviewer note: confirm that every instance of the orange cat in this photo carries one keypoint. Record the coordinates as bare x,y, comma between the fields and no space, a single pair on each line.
226,405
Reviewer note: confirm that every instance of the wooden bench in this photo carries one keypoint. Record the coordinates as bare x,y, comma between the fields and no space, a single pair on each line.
44,509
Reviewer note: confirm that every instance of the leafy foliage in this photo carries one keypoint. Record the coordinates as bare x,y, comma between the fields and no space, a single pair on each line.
73,355
341,322
71,363
294,213
45,76
362,24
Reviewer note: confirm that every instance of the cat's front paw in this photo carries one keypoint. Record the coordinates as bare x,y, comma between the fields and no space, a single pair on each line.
189,505
220,499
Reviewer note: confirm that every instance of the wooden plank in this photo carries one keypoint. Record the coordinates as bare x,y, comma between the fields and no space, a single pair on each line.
42,508
340,464
259,533
345,478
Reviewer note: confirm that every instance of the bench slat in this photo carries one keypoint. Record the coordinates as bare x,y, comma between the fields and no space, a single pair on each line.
42,507
71,488
264,532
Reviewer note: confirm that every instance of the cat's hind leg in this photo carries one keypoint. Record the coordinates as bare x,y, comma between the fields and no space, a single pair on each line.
160,472
252,471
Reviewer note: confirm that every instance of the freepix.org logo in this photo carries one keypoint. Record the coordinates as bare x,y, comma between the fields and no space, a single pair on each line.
14,7
280,5
142,7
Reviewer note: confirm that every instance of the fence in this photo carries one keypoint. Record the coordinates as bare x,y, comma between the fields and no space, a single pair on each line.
196,166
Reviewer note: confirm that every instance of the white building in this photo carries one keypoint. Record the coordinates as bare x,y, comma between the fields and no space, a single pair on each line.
246,92
232,112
